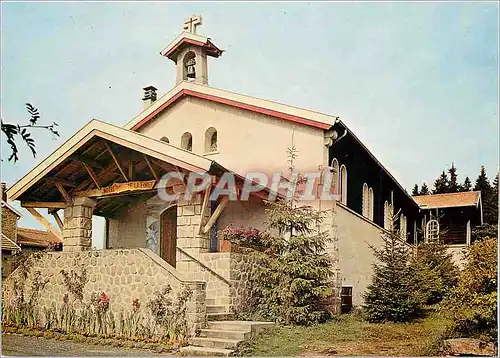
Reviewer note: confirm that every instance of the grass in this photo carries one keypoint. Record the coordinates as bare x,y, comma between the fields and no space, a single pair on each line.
349,335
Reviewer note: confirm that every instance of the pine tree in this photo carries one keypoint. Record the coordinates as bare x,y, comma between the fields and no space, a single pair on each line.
424,190
441,184
494,200
415,190
453,186
390,297
467,185
490,206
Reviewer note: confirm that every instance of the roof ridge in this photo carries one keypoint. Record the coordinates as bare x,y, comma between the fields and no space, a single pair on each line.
459,192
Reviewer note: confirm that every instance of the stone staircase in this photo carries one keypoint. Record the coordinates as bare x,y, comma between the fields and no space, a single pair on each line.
223,334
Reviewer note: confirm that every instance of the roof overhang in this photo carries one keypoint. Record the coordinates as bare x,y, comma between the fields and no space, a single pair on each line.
188,38
11,208
273,109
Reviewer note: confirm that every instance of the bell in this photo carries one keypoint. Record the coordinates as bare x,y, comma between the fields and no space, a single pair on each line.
191,72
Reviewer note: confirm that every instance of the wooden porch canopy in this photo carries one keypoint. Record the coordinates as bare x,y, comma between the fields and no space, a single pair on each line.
108,163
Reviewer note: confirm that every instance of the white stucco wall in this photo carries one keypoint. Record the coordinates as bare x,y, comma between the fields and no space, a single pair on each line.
247,141
355,256
129,230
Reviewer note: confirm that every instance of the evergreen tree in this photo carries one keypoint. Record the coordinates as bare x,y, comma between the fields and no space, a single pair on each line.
424,190
453,186
441,184
390,297
490,205
467,185
494,200
415,190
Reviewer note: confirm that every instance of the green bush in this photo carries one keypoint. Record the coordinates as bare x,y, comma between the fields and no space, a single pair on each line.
473,303
391,297
289,279
433,271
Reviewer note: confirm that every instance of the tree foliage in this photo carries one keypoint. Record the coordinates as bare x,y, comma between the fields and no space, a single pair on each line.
453,185
391,297
424,190
441,184
473,303
467,185
14,132
415,190
434,272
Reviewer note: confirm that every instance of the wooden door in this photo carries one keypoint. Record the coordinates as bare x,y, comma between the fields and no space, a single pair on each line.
168,236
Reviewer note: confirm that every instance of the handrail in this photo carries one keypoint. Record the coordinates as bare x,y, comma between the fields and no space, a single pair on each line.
223,279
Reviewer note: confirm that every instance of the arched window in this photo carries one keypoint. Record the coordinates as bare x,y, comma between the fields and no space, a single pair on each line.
388,216
335,174
366,201
187,141
343,184
211,140
165,139
432,231
370,204
189,68
402,226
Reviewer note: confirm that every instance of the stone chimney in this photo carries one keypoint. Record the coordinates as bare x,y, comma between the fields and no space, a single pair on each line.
149,96
4,191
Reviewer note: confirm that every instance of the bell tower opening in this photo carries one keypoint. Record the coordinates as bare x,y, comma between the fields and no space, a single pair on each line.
189,73
190,52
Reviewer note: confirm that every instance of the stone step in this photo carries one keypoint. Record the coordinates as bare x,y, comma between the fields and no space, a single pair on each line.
226,334
253,326
220,316
205,351
215,342
216,309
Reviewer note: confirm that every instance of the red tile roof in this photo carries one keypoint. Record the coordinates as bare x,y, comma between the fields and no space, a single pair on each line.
38,238
467,198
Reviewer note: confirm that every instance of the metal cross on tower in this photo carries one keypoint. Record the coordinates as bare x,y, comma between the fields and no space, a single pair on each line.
192,22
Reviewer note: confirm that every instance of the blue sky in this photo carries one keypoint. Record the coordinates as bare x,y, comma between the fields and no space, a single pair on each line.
416,82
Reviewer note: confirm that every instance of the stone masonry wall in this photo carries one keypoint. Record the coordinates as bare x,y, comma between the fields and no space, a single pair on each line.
124,275
9,224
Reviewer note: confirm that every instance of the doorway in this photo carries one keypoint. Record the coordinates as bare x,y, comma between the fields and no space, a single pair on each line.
168,235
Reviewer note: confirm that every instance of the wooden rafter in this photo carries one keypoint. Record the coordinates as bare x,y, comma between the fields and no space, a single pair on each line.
45,222
155,175
57,218
44,204
204,208
62,181
90,162
63,192
109,169
131,169
118,188
115,159
92,175
216,214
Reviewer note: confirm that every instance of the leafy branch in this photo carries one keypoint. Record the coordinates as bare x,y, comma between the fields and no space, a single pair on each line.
14,131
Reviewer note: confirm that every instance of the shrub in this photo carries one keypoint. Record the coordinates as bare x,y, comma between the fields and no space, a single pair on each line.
390,296
434,273
473,303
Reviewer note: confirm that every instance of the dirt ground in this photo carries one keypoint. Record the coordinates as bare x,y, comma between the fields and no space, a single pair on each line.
18,345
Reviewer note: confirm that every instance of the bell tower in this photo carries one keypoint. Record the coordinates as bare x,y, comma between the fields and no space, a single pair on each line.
189,51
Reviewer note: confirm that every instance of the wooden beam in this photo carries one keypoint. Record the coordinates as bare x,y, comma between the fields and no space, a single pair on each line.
92,175
64,193
43,204
216,214
118,188
155,175
109,169
116,160
204,208
45,223
57,219
131,170
62,181
90,162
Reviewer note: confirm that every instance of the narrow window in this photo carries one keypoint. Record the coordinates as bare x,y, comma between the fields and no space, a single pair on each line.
335,173
211,140
432,231
386,215
402,226
165,139
366,204
187,141
343,184
370,204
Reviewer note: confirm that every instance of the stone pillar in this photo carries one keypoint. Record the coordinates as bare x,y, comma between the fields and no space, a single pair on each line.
77,230
188,221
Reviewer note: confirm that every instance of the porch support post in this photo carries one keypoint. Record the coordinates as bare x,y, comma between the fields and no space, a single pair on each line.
77,232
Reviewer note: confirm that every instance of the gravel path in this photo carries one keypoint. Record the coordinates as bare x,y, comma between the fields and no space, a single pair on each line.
18,345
